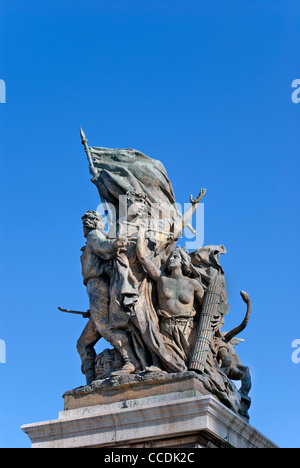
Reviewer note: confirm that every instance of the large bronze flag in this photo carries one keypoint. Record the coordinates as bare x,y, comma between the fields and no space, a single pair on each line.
123,170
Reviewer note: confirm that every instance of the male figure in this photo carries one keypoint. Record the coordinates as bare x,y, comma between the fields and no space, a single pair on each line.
95,262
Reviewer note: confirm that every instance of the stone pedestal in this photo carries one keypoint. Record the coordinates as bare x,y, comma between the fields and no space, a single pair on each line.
151,412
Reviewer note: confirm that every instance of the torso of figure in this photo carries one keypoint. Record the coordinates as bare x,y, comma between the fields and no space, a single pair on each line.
96,254
91,265
176,296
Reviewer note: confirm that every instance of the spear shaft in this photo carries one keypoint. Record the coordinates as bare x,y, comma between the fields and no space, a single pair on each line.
93,171
84,141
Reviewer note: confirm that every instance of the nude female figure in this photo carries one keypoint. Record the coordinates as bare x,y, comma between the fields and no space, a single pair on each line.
177,293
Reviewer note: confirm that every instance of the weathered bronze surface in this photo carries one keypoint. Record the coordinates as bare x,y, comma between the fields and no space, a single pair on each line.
160,307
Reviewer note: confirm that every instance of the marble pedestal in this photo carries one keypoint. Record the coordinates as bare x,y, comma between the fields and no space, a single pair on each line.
150,413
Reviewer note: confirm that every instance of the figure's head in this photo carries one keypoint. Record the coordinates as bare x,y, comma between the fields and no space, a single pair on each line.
92,220
136,203
179,258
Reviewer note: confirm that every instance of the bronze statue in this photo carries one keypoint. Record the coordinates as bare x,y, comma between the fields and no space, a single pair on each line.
159,306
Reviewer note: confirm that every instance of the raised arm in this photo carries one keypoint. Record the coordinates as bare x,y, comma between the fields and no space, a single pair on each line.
153,271
101,246
194,205
187,216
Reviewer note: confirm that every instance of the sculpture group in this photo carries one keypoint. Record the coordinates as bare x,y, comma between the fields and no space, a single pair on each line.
160,307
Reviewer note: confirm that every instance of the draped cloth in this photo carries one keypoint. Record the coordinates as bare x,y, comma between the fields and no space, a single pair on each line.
126,285
123,170
147,321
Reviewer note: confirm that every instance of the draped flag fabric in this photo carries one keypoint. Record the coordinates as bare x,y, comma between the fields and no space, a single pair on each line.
123,170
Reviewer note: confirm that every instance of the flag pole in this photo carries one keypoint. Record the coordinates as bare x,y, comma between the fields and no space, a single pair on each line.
94,172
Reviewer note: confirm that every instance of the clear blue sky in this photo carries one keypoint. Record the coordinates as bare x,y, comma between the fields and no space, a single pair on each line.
206,88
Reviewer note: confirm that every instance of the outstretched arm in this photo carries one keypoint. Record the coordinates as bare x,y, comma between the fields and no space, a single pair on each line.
194,205
152,270
104,248
187,216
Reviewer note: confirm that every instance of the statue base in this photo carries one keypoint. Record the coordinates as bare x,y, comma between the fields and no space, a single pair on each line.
152,410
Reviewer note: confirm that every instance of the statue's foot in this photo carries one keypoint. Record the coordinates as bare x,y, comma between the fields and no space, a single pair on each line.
245,405
90,377
127,369
153,369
